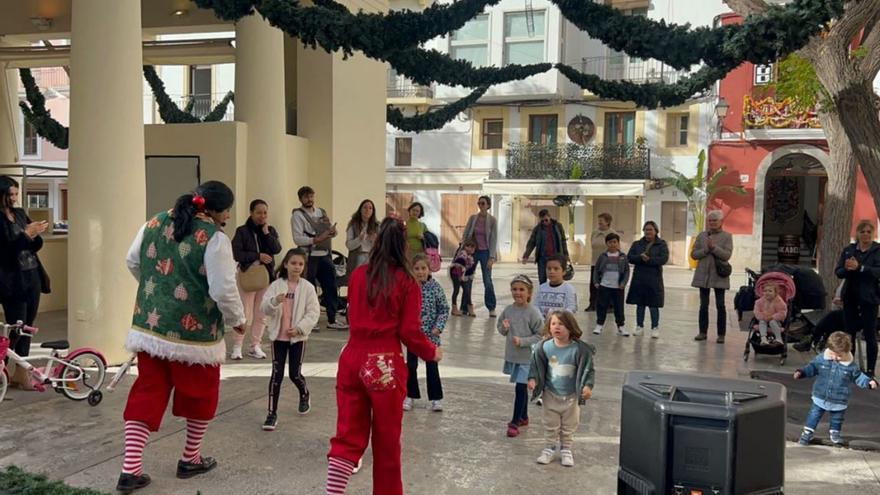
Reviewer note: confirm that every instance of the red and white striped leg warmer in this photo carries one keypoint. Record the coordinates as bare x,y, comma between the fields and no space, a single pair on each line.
338,474
136,435
195,433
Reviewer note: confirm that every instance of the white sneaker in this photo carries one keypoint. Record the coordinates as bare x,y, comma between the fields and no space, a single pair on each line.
257,353
621,331
407,404
546,456
236,353
357,468
655,333
597,330
436,405
338,325
566,458
639,331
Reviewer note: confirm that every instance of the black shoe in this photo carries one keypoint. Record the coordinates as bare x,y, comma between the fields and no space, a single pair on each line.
129,482
590,308
305,404
189,469
271,422
700,336
720,339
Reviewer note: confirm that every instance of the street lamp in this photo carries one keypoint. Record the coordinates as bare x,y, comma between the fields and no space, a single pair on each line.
721,109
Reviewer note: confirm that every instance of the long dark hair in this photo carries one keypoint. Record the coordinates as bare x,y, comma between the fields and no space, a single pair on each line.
6,183
388,255
218,197
281,271
358,222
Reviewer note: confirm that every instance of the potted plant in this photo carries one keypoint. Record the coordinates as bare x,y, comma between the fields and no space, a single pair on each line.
700,190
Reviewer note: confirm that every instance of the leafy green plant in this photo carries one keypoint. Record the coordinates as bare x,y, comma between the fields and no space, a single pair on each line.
15,481
701,189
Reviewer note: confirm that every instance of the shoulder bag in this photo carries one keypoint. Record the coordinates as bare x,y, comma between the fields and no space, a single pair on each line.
256,277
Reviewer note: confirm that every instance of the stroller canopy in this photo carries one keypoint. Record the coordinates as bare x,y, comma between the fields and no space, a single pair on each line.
783,281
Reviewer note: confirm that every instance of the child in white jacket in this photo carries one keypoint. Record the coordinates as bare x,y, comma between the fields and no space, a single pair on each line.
292,310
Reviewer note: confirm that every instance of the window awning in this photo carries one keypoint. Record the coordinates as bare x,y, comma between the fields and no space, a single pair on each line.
593,188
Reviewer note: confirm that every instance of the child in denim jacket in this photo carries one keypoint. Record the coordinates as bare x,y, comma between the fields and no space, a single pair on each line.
835,371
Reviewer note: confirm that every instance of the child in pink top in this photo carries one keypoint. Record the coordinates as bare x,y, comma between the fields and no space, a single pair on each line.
770,310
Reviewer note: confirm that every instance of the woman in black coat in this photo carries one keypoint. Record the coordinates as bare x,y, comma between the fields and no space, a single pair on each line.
254,246
859,267
21,281
648,255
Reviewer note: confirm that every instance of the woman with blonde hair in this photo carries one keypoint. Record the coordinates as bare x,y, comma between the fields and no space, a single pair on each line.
859,267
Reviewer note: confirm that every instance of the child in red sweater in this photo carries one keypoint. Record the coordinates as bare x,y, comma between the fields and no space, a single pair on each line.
385,304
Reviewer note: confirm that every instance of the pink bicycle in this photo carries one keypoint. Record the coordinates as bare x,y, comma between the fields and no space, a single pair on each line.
78,375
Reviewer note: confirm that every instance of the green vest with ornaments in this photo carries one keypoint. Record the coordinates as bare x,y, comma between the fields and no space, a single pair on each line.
173,302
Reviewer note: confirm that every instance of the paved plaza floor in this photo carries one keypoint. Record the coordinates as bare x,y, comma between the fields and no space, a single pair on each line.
460,451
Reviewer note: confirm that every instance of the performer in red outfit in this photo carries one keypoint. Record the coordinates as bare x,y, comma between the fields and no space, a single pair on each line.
384,310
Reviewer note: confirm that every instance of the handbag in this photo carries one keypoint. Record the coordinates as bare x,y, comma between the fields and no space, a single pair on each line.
45,282
569,272
255,277
722,267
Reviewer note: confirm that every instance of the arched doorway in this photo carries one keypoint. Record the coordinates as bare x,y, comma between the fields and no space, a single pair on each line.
794,197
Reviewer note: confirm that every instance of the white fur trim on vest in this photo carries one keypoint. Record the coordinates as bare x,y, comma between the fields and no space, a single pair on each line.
210,354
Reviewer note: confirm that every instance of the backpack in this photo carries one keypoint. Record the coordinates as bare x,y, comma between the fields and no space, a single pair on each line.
744,300
434,259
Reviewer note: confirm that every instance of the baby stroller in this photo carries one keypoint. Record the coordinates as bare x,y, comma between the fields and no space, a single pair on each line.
787,292
340,264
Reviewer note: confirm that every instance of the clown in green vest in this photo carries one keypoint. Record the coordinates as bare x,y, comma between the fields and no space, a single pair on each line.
187,297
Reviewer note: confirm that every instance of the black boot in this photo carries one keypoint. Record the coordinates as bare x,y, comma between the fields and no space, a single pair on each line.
190,469
129,482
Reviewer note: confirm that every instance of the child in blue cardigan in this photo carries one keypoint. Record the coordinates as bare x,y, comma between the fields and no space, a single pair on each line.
835,371
435,314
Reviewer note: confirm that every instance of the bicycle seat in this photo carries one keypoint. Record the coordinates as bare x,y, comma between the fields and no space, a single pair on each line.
58,345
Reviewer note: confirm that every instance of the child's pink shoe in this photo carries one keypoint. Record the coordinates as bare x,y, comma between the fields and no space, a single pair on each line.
512,430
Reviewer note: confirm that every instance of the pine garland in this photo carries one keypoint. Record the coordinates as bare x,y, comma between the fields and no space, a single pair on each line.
427,66
38,115
171,113
434,119
15,481
759,39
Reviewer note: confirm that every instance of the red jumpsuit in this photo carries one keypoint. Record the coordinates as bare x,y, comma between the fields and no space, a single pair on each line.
371,380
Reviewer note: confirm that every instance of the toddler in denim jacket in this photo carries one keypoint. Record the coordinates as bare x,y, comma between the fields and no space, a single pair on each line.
835,371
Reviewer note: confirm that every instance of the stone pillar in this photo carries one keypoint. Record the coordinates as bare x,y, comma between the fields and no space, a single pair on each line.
107,179
259,102
341,111
9,118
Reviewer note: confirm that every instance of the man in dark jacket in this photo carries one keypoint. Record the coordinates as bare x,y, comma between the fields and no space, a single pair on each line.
547,239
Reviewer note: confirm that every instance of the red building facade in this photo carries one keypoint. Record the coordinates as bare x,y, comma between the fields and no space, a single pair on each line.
779,156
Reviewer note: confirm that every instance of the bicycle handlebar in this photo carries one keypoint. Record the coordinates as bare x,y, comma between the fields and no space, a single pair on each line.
24,329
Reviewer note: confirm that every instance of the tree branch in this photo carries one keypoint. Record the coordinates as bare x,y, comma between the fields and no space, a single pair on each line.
747,7
854,18
870,65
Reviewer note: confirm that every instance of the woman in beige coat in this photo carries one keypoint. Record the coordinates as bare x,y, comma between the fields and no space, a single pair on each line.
711,244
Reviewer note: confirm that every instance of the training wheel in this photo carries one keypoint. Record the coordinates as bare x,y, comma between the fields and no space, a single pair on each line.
95,398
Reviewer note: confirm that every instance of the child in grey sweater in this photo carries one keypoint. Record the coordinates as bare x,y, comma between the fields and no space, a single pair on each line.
522,324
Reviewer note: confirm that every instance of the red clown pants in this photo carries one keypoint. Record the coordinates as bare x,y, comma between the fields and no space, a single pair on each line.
370,388
196,389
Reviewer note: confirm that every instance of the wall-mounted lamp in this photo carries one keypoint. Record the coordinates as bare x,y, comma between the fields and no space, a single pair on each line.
721,109
179,12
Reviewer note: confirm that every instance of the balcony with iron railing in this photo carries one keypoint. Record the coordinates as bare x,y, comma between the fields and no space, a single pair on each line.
625,68
572,161
400,90
51,78
203,104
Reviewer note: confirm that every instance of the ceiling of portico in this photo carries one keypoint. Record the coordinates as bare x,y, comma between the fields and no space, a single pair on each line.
156,18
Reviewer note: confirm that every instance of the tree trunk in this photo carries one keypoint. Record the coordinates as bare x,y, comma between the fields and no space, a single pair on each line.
840,194
857,110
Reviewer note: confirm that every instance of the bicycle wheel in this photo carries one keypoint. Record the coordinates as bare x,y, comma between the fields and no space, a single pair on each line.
4,382
82,384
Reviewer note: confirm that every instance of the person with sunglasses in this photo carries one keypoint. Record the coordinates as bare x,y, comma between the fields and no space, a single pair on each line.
483,229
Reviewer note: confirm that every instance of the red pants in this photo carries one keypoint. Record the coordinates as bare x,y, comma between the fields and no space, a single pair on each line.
366,409
196,390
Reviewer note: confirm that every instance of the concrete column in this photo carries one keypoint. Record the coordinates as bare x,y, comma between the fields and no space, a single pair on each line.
10,115
259,102
107,182
341,110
